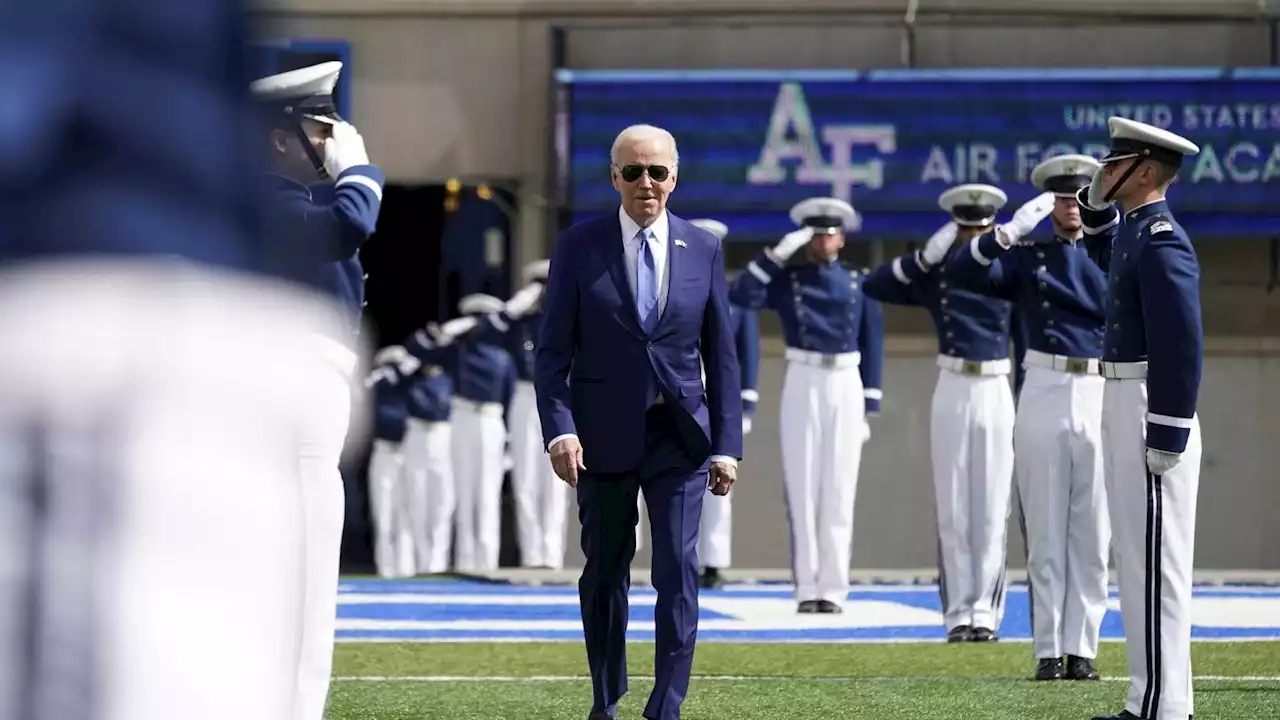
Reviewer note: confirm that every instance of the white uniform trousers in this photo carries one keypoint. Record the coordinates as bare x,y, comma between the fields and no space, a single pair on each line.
972,449
388,498
478,438
542,499
1153,520
716,534
151,528
431,498
1058,441
822,417
323,503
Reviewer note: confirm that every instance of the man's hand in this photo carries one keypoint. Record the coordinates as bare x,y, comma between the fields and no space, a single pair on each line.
1091,195
936,247
566,460
790,243
344,149
720,478
1160,462
1025,219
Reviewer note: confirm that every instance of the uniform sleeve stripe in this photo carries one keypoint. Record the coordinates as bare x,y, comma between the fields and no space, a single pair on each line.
1169,420
1095,231
976,253
362,180
751,396
758,272
873,394
897,272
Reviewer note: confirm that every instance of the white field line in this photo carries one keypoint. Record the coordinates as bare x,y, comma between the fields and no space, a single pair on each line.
753,678
745,640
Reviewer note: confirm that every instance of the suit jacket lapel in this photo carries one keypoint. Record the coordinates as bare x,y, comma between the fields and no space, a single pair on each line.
617,264
677,264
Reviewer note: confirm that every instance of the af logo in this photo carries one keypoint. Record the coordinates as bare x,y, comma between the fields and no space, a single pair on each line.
975,197
792,136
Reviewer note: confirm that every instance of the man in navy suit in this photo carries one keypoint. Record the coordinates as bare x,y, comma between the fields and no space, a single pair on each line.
636,307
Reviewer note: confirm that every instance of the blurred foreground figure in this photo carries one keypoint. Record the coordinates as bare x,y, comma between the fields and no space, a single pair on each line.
156,369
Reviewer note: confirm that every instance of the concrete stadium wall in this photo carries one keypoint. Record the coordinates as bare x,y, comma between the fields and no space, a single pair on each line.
459,88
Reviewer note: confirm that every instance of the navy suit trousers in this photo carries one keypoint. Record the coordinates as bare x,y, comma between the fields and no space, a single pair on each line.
674,485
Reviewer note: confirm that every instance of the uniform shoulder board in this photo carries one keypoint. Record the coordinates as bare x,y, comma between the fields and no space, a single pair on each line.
1160,226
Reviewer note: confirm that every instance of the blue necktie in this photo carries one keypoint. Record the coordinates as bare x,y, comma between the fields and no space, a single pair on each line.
646,285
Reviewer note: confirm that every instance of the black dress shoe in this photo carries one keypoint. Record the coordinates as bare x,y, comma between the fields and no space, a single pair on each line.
829,608
1049,669
808,606
711,579
1079,668
1122,715
600,716
982,634
959,634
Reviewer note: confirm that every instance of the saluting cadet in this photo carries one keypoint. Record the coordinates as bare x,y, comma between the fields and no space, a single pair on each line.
472,350
835,348
716,534
1153,350
542,500
393,541
1061,294
310,142
428,471
971,427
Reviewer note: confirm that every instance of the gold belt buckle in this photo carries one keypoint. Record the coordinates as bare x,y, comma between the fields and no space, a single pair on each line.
1077,365
971,367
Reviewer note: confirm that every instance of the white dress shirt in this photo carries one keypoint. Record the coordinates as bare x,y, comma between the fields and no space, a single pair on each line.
660,244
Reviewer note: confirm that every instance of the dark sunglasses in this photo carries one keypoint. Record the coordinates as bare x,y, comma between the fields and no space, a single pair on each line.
632,173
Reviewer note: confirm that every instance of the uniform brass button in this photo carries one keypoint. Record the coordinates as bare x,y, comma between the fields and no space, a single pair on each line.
1049,322
944,301
1044,286
1115,326
950,333
1045,304
943,284
1053,341
1040,255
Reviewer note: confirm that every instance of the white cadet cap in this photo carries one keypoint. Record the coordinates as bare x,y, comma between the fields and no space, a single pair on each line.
973,205
715,227
1063,175
826,215
480,304
536,271
306,91
1130,139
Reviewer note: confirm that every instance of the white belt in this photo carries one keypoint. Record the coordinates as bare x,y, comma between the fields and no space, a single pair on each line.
1062,363
1124,371
974,367
828,361
336,354
479,408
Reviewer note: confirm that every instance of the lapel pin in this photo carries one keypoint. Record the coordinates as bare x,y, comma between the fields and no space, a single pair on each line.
681,243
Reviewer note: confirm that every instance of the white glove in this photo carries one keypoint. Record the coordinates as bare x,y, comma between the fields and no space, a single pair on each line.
344,150
409,365
937,246
1160,462
746,424
448,332
1025,219
522,301
866,432
790,243
392,355
1091,196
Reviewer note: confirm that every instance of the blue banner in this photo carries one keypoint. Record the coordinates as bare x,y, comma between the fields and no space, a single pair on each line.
752,143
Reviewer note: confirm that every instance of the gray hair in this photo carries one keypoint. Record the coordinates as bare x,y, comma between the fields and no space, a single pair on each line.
640,133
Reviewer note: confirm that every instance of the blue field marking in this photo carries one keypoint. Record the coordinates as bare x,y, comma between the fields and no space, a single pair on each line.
476,611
